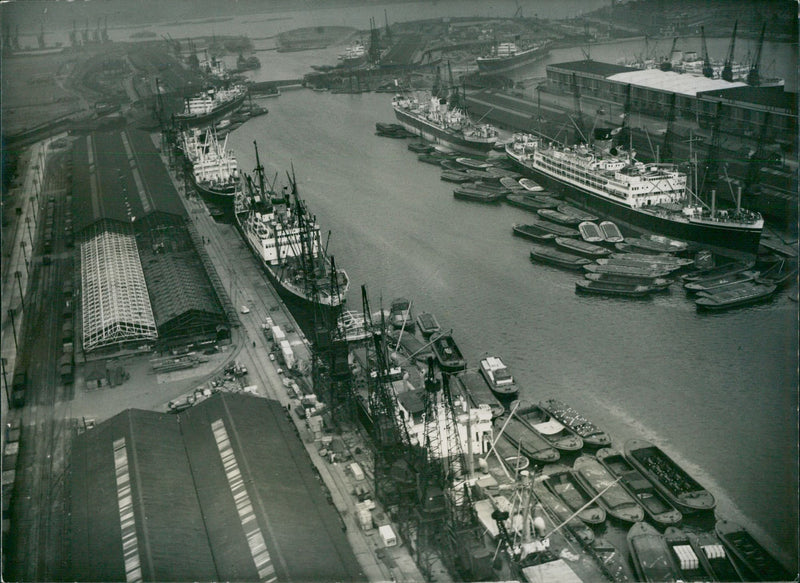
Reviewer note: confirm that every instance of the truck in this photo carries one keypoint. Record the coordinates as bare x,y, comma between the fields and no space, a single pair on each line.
278,334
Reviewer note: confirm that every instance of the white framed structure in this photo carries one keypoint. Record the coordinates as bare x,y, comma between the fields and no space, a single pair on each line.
115,304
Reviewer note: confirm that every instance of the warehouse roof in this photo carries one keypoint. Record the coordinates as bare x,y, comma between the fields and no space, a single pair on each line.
221,492
776,96
593,67
683,84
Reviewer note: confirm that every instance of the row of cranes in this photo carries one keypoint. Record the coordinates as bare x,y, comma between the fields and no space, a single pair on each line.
98,34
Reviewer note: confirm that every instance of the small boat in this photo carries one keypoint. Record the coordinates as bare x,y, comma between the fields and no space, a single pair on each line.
533,233
529,203
692,565
611,561
489,187
427,324
665,259
722,566
630,270
421,147
719,270
498,377
612,497
501,173
476,195
432,158
478,392
668,477
590,232
457,177
611,232
674,244
588,431
400,314
510,183
657,283
477,174
758,564
388,127
411,345
559,230
558,217
551,429
449,164
715,284
529,443
642,245
510,456
641,263
530,185
576,212
582,247
474,164
742,295
650,556
557,507
779,274
557,258
448,354
607,288
655,505
562,484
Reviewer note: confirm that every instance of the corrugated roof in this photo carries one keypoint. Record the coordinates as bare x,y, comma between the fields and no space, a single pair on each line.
673,82
188,526
593,67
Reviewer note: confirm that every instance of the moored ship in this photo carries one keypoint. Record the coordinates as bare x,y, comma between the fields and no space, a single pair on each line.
210,104
286,240
437,120
651,197
214,171
507,56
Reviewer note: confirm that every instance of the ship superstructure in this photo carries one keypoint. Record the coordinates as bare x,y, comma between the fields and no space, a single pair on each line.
211,104
214,169
648,196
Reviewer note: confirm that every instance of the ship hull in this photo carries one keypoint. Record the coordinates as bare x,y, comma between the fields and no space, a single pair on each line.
504,65
720,237
201,119
432,133
303,308
223,197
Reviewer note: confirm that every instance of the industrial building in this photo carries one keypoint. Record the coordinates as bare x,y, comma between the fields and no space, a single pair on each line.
224,491
742,109
145,278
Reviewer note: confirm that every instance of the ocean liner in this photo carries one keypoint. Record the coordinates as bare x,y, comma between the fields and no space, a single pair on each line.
437,119
211,167
285,238
210,104
650,197
505,57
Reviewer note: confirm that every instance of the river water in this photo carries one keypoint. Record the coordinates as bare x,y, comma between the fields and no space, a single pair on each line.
718,392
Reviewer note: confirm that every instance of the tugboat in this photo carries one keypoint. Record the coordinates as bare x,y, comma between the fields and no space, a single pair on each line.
497,376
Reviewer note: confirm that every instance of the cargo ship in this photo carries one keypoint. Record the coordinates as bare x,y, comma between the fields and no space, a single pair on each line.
650,197
210,105
507,56
437,120
285,238
210,166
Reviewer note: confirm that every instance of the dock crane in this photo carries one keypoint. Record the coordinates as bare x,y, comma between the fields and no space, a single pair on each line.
753,76
40,38
666,147
73,34
727,69
104,31
85,32
666,65
708,70
576,94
